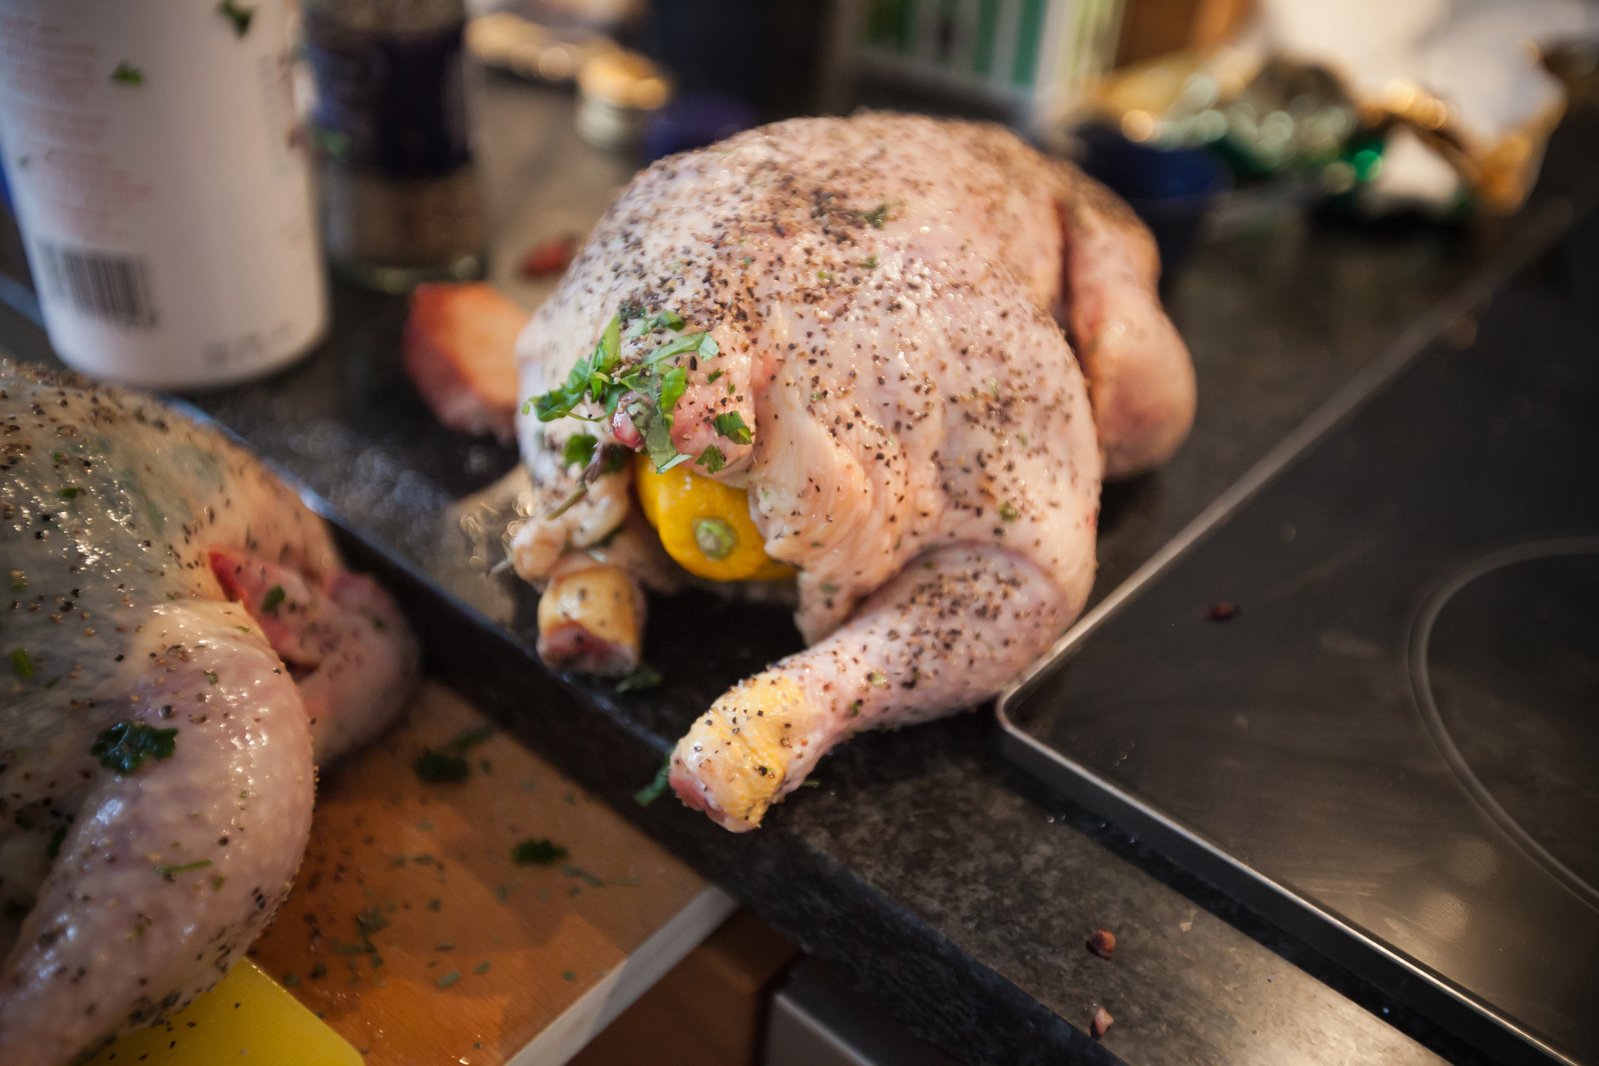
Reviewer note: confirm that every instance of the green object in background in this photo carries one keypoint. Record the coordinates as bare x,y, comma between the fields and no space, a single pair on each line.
1031,56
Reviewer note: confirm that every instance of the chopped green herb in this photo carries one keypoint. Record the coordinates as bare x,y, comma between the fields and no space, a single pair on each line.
19,581
211,677
711,378
855,709
711,459
318,970
824,275
829,589
70,492
371,920
291,980
537,851
238,14
810,784
685,342
652,791
1008,513
651,388
447,945
21,663
449,979
876,679
123,747
441,767
481,968
435,904
167,871
731,425
579,449
646,676
588,376
871,262
568,975
876,216
217,882
127,74
273,599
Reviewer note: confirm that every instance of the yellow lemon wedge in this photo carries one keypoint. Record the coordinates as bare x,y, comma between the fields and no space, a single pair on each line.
247,1017
704,525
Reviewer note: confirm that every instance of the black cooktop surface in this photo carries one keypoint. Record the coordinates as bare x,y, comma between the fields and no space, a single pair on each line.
1366,701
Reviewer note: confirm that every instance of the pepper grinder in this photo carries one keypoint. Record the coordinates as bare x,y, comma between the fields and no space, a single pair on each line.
400,202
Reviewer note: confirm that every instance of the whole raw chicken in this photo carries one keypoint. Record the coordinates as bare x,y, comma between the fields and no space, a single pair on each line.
182,650
868,324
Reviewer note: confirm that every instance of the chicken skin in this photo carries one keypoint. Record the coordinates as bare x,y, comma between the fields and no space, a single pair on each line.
183,650
868,325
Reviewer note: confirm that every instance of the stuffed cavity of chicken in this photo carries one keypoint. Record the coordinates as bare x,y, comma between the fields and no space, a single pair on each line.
868,325
183,649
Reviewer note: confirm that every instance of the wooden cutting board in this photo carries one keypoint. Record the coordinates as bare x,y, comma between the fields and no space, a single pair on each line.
414,932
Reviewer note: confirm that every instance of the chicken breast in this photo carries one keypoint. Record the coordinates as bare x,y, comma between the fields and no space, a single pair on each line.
864,322
183,650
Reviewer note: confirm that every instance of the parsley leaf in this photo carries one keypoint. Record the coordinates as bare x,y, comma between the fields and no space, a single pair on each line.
579,449
439,767
731,426
711,459
687,342
123,746
127,74
537,852
238,14
21,663
447,764
652,791
673,384
273,599
646,676
166,872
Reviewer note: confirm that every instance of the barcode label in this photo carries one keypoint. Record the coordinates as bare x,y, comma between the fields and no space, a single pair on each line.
105,285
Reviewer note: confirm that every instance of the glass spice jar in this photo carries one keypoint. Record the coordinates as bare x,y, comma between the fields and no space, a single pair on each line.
400,201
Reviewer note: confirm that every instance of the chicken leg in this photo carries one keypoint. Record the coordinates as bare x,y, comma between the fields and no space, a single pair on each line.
950,630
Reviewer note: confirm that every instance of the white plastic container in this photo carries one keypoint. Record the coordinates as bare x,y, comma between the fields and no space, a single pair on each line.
162,186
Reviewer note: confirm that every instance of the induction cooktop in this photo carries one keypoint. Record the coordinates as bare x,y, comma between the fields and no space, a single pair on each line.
1363,698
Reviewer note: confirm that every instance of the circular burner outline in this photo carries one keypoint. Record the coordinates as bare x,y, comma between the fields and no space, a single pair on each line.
1421,685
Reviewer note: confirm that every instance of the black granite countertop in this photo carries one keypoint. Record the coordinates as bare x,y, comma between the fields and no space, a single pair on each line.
951,889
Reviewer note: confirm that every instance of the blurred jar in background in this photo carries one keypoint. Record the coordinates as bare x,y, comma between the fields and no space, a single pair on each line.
163,195
400,202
